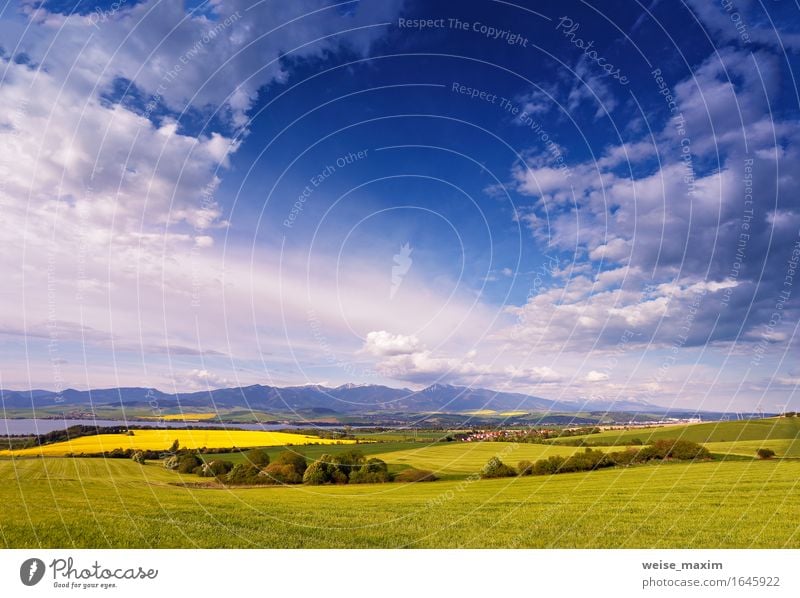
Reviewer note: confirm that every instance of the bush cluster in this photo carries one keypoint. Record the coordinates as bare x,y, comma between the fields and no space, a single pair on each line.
661,450
349,467
288,468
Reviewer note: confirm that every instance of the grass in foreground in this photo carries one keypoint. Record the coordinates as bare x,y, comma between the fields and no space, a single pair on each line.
116,503
158,440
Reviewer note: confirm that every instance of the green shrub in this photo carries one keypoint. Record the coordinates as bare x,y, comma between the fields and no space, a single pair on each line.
682,450
765,453
138,457
585,461
524,468
188,463
548,466
243,473
624,458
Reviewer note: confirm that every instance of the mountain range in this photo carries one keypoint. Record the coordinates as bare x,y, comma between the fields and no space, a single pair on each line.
348,398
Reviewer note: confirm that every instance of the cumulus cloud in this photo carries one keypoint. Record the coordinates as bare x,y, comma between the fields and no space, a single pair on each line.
112,154
682,233
380,342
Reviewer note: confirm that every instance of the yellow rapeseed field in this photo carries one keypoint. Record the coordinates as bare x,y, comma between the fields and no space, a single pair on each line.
184,416
158,440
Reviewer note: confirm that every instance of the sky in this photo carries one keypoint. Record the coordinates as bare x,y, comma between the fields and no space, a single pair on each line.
575,200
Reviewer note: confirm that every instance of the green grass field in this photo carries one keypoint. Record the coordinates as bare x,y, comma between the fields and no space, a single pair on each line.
760,429
460,459
784,448
117,503
737,502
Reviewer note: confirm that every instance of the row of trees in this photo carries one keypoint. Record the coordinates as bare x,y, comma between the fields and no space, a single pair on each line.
660,450
348,467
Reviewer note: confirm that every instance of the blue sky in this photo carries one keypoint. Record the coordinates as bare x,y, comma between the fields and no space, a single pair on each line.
569,199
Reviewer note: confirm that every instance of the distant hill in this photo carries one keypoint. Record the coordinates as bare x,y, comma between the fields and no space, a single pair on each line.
348,398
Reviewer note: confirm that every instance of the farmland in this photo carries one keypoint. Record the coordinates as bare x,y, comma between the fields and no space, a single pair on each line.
160,440
735,502
185,416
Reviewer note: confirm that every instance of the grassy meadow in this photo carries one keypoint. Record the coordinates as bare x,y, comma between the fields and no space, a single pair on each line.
736,502
116,503
778,428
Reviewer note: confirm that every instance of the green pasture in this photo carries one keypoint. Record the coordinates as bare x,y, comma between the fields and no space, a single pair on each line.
60,502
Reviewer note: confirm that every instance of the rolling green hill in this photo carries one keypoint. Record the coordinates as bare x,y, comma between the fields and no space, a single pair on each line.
729,431
100,503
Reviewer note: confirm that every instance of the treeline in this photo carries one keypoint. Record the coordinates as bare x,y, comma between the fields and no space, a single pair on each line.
589,460
289,467
150,455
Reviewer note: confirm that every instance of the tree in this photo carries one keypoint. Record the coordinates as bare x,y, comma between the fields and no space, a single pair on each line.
495,468
282,473
188,463
174,447
243,473
548,466
138,457
765,453
257,457
296,460
682,450
524,468
216,468
348,461
372,472
319,472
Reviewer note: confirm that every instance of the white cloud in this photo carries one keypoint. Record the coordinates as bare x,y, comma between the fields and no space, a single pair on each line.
595,376
380,342
200,379
109,208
